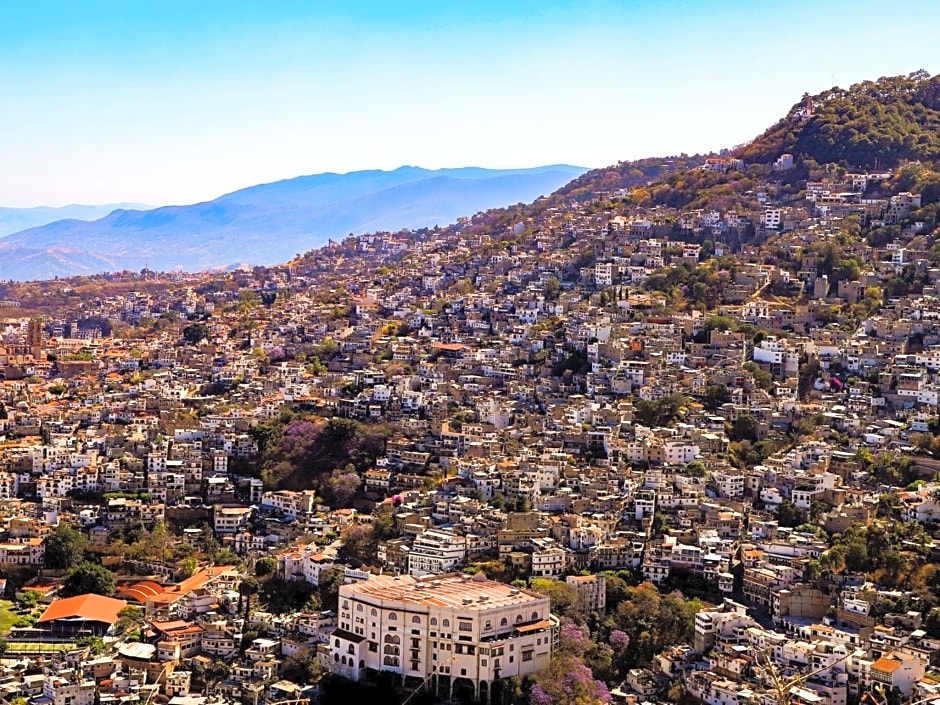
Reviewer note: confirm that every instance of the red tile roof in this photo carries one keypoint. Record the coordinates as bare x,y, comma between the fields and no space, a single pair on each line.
92,607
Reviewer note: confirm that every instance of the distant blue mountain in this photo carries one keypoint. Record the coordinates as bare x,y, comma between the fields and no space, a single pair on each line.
13,220
270,223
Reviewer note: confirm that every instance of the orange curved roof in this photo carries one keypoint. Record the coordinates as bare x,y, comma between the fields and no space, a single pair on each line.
140,592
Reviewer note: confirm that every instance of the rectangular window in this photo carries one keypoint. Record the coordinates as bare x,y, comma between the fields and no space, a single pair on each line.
465,627
526,655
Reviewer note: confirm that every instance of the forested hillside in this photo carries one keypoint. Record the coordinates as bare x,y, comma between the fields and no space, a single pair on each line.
873,124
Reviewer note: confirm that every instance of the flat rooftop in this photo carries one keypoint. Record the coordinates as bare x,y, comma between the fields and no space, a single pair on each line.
449,590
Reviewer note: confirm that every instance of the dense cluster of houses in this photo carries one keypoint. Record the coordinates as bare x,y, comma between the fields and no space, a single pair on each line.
549,409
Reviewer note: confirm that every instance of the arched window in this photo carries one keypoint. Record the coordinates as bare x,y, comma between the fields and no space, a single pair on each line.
336,657
518,619
433,621
416,620
390,661
374,613
392,639
362,664
358,608
392,616
535,616
350,650
445,623
389,649
336,643
343,660
503,622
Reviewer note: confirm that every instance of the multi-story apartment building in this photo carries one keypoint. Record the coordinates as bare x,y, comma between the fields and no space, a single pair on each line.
436,552
591,591
231,520
464,631
290,503
69,688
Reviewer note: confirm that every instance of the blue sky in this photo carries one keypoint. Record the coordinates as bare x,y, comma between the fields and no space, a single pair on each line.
176,102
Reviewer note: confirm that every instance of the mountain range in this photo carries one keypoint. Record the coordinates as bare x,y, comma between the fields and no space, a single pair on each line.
13,220
269,223
872,125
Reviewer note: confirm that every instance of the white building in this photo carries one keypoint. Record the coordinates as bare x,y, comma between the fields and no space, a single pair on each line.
771,218
290,503
463,631
434,552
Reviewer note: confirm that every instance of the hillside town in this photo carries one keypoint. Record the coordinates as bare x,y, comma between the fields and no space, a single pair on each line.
463,463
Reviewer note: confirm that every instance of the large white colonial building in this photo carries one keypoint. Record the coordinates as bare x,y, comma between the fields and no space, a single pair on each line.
452,630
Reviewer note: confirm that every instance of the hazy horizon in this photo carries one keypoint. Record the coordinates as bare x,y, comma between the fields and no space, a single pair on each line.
176,103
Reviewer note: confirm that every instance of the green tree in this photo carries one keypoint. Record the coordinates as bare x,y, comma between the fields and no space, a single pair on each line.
652,622
360,543
762,378
95,644
29,599
265,566
328,589
64,548
788,514
716,395
744,428
563,597
129,619
216,672
552,288
302,668
87,578
384,523
195,333
187,567
661,412
247,588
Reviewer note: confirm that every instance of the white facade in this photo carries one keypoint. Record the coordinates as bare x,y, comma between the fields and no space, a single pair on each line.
434,552
456,627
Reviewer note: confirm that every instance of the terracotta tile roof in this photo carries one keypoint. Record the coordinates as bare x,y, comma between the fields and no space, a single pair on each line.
886,665
93,607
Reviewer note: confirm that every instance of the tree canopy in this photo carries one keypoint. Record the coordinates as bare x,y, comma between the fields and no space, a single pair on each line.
64,548
869,125
87,577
